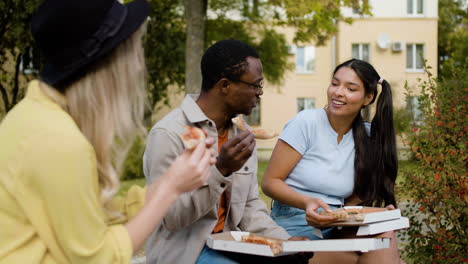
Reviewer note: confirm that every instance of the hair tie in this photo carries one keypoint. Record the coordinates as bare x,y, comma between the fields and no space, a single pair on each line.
380,81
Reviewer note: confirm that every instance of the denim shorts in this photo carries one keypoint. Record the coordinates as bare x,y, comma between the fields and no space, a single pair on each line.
293,220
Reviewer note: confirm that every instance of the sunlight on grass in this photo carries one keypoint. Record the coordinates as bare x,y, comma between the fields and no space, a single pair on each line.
262,165
125,185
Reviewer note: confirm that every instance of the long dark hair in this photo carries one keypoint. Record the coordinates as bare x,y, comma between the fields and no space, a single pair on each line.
375,162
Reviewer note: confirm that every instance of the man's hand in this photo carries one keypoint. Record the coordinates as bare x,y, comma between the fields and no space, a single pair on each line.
235,152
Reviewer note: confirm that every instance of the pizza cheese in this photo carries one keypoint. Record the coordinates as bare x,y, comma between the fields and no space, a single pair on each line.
192,137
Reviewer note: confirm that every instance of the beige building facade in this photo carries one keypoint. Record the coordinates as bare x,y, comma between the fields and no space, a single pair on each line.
392,39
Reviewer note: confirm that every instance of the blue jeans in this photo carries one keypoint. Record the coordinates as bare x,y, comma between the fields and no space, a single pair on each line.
293,220
209,256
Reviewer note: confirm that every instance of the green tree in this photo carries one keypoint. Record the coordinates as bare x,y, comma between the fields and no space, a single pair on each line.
164,49
316,19
16,49
453,35
313,19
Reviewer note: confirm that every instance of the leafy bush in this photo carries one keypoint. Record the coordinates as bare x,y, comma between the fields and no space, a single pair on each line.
133,165
439,195
402,120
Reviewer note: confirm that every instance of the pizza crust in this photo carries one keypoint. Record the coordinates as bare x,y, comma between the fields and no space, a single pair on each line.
259,133
352,214
275,244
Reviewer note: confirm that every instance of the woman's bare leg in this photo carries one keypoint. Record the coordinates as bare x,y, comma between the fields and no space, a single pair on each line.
383,256
334,257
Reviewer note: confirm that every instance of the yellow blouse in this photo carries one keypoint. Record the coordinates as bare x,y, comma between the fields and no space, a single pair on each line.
50,210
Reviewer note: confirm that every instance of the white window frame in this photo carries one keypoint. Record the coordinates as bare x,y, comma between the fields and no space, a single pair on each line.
305,71
412,46
415,6
360,51
310,99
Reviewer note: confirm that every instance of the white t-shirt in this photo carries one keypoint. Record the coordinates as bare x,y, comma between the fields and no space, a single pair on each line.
326,169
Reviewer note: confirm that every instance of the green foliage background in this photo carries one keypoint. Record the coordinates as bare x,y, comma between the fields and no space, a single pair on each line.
438,208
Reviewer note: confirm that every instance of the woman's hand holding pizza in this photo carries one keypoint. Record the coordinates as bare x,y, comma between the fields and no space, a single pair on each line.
235,152
312,216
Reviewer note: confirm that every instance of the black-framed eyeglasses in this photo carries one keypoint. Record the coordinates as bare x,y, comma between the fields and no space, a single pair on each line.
258,86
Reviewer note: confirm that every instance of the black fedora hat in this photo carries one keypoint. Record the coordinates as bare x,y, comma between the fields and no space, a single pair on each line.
75,34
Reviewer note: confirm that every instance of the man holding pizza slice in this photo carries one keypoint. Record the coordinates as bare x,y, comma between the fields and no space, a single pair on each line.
232,84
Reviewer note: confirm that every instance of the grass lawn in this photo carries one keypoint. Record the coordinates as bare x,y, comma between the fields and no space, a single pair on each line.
262,165
125,185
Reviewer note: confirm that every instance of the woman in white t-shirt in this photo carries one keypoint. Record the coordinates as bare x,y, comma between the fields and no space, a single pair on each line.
326,158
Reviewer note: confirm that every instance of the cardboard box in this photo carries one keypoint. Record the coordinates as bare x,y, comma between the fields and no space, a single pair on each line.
369,218
384,226
231,241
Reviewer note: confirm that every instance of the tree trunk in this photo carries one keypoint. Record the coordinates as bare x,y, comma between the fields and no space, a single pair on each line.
195,15
6,101
14,99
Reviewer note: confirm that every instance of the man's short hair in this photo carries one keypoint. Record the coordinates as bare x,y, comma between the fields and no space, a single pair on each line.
225,59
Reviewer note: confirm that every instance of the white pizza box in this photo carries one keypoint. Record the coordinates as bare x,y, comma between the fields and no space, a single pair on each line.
231,241
369,217
384,226
373,228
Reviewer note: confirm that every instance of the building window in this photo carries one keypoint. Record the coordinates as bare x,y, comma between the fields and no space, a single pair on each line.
305,103
360,51
254,118
305,59
414,7
412,105
415,57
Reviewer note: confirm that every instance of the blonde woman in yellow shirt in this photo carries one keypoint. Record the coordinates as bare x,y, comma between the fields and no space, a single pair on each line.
62,145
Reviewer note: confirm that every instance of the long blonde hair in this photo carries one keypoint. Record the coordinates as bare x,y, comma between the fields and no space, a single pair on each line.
108,105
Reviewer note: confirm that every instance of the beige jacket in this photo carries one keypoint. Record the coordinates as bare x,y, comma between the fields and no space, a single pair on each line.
183,233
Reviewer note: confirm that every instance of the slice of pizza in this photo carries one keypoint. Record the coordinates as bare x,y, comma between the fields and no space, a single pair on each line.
239,122
275,244
339,214
360,214
192,136
259,133
352,213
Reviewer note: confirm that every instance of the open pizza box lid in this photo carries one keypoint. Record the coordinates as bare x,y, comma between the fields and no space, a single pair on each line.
373,223
231,241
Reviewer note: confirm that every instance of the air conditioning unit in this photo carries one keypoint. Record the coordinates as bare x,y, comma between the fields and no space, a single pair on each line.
292,49
397,46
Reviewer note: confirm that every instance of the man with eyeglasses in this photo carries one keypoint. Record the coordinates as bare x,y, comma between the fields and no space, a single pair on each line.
232,84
